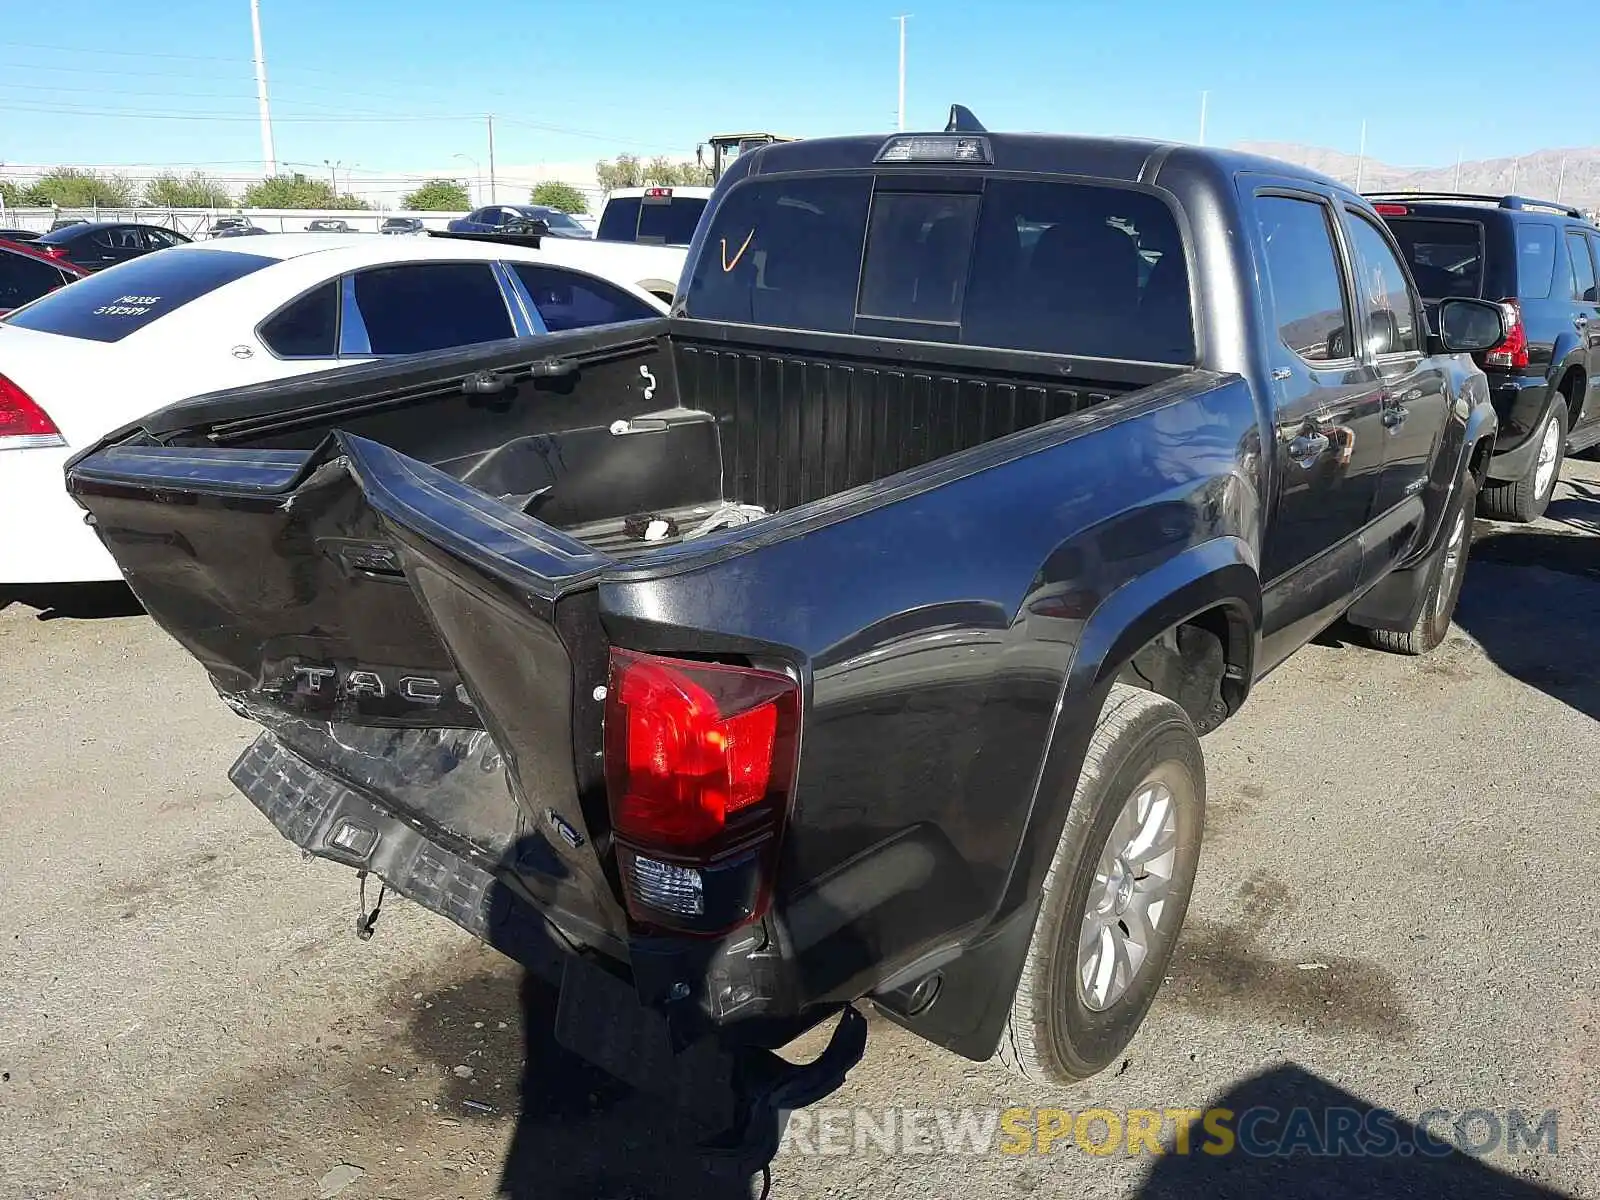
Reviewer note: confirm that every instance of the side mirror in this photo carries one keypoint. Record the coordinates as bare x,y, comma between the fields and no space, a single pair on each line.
1468,326
1383,331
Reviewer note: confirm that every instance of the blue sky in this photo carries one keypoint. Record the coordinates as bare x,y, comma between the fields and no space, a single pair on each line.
110,82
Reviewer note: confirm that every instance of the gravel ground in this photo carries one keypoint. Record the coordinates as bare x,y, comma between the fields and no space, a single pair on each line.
1396,910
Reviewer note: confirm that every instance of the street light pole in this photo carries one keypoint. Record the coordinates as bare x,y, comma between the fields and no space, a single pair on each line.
903,18
333,175
269,157
494,197
1204,96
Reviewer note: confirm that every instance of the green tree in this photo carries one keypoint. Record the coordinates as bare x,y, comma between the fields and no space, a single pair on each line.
11,193
71,187
438,195
623,171
194,190
562,197
296,191
663,172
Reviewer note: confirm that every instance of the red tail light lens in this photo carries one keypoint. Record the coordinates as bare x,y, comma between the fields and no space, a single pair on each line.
700,761
23,424
1513,350
1390,210
54,251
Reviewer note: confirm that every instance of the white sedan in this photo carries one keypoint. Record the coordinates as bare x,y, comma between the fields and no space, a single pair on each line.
91,357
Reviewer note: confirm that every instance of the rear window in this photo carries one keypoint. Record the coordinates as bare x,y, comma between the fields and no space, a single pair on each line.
1536,259
1063,268
1446,257
662,221
107,307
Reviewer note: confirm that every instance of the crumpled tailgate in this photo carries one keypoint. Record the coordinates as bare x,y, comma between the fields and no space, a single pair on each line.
406,641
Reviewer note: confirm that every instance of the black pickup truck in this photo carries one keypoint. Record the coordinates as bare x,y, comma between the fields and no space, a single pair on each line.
848,634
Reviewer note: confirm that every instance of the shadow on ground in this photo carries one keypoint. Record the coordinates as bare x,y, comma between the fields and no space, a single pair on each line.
78,601
1290,1107
1532,600
578,1132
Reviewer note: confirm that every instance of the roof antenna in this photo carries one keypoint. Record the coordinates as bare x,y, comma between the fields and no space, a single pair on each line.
962,121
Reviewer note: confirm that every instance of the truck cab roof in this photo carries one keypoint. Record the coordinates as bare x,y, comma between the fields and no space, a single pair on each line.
1131,160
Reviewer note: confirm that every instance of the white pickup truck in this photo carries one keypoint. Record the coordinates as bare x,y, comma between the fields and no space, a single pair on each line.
652,216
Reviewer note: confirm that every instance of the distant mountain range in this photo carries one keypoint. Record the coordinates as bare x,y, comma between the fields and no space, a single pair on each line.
1538,174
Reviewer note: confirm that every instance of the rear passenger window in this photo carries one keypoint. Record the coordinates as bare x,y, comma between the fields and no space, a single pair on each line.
1391,323
307,328
1303,274
566,300
1536,259
418,307
1582,268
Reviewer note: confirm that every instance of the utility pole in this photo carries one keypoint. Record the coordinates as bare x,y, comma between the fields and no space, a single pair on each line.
1459,152
1361,160
493,198
1204,96
1561,179
269,158
333,174
903,18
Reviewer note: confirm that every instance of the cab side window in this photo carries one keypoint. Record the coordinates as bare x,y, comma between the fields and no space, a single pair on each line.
1303,275
1392,323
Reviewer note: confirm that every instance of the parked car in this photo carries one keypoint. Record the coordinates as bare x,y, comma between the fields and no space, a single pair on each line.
329,225
98,245
659,216
233,231
222,225
19,235
67,223
497,218
78,364
402,225
25,275
1540,260
847,635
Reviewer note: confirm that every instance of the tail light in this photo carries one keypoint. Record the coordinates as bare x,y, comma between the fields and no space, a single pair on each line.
658,193
700,762
53,251
1390,210
1513,348
23,424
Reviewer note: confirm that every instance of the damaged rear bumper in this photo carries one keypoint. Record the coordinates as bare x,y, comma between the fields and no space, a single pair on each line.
736,1094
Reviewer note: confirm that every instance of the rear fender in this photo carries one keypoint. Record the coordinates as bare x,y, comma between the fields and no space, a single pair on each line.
976,990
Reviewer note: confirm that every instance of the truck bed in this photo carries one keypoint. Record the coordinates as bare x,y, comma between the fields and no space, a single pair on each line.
666,421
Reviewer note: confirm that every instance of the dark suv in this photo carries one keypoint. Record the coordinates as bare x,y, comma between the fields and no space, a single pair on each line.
1540,260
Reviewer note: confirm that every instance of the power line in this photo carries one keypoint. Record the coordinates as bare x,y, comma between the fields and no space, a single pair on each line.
352,118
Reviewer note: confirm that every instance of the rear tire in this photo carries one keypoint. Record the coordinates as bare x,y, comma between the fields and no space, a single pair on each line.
1112,903
1446,573
1526,499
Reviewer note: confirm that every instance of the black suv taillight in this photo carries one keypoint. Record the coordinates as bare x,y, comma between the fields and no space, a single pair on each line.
1513,348
700,763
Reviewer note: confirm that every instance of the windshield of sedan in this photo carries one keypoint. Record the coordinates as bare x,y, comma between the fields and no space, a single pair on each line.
109,306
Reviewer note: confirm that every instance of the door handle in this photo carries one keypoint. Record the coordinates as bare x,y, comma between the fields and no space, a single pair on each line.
1306,448
1395,417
